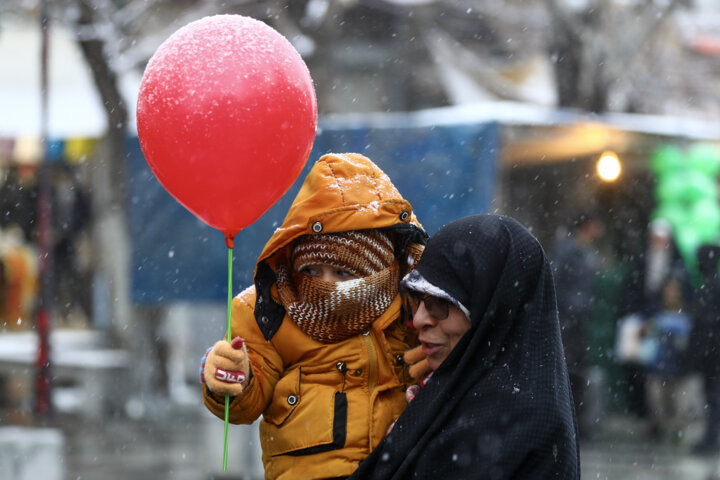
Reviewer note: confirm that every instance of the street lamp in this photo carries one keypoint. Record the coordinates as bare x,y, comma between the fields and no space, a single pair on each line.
608,166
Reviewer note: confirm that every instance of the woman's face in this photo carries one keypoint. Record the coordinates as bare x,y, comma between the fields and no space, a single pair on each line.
438,336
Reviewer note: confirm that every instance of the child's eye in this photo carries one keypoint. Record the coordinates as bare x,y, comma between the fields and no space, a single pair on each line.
312,271
343,273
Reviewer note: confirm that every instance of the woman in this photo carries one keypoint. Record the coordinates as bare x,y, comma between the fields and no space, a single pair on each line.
497,405
322,331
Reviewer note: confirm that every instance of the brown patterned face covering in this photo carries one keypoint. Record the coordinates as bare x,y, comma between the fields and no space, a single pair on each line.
330,312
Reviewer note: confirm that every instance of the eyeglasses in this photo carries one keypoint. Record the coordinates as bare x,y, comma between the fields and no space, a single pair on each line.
437,308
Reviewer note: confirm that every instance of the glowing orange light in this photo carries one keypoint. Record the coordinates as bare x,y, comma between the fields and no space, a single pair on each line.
608,166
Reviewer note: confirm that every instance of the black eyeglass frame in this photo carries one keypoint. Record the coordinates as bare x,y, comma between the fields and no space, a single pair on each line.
438,308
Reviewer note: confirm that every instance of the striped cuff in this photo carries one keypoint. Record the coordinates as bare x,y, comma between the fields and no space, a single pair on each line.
202,366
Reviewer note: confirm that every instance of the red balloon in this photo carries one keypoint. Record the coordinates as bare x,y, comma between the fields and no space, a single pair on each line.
226,118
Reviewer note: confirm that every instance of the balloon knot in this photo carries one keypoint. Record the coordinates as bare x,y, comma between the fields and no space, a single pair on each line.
229,241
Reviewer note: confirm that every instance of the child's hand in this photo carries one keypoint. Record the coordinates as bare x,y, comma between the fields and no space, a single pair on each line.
227,366
419,366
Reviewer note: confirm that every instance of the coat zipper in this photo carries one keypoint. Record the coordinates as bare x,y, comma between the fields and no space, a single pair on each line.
372,359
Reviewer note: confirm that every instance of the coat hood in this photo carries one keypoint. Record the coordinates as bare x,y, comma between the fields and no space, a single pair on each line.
342,192
335,198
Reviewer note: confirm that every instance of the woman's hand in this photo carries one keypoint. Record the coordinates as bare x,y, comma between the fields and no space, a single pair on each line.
419,366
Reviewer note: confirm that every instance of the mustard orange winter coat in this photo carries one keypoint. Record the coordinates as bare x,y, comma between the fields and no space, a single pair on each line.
324,406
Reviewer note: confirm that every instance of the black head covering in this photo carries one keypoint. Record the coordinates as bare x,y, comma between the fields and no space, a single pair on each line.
499,406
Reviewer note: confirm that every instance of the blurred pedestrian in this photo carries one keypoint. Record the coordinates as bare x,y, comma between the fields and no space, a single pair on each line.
70,219
705,343
575,262
19,199
497,404
19,288
318,341
662,260
668,369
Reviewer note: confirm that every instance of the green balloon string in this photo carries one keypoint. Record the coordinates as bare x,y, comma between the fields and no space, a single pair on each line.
229,339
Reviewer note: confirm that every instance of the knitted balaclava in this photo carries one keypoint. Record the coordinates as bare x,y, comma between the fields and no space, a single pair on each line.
330,312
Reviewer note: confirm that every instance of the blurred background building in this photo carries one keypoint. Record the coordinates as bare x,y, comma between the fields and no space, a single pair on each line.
500,106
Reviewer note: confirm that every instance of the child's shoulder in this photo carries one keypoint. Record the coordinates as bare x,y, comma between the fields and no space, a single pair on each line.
247,297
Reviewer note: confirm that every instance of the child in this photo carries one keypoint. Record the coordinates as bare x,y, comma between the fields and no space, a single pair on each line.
669,330
322,330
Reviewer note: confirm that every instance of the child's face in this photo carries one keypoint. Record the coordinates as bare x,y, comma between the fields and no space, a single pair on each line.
327,273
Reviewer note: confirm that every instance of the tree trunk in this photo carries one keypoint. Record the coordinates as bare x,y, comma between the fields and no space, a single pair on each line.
110,229
566,52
